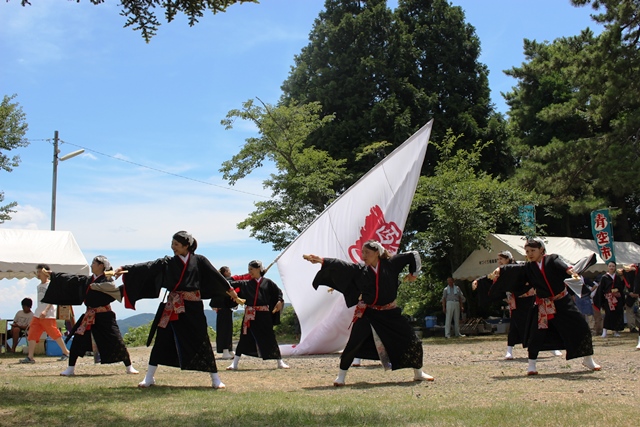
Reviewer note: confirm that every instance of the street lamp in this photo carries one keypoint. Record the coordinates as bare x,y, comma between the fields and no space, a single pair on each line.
56,151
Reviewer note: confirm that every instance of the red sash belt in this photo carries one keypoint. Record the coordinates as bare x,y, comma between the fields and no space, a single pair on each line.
175,306
613,301
547,309
250,314
361,307
90,318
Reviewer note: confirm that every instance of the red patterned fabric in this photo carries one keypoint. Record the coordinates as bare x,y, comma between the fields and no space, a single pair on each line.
90,318
547,309
250,314
175,306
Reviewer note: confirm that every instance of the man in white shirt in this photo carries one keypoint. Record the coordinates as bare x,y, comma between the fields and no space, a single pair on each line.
44,319
452,306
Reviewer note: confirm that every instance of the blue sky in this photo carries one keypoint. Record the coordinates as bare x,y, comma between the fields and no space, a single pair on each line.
76,70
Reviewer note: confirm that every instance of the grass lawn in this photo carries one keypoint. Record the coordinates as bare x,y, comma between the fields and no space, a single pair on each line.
473,387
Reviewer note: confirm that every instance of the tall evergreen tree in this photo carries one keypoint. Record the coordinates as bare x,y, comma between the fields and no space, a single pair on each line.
575,118
384,74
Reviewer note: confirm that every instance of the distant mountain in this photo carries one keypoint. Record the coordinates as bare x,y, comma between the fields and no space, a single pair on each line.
144,318
134,322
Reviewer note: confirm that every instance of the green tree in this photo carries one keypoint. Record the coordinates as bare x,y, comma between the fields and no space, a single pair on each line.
306,177
13,127
575,121
440,77
346,69
460,205
384,74
463,205
141,15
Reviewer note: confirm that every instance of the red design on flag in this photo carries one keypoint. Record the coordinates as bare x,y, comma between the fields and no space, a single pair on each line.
376,228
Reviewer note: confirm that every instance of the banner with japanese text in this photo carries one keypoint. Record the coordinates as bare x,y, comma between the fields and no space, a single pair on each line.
375,207
603,234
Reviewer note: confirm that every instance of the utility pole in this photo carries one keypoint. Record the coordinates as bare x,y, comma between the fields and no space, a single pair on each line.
56,151
55,180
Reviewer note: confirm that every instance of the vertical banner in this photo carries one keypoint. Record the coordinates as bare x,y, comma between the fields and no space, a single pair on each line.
527,214
603,234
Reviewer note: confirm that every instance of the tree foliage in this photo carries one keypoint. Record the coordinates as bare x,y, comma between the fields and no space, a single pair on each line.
575,121
306,180
385,73
463,204
13,128
141,15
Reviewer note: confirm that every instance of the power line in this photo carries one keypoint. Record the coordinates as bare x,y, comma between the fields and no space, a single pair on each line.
156,169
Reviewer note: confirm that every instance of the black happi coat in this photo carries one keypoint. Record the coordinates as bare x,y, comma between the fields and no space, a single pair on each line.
518,322
629,278
68,289
260,339
567,329
394,330
224,321
613,319
184,343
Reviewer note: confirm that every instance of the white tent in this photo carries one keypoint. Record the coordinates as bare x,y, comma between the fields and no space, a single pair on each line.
483,261
22,250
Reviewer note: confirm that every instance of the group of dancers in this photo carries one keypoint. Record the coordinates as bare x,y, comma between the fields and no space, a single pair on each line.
378,330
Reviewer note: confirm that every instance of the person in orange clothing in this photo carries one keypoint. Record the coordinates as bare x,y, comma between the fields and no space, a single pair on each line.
44,319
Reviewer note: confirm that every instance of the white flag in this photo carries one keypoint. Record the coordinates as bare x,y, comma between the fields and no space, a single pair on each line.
375,207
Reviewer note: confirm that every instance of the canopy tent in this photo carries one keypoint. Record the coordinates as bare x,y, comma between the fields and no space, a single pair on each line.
22,250
483,261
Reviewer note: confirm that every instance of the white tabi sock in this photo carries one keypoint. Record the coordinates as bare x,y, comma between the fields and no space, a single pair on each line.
69,372
590,364
149,380
532,365
282,365
342,373
234,364
419,375
132,370
216,382
509,354
556,352
226,354
638,347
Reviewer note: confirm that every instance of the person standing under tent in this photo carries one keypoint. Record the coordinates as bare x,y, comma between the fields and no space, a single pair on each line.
609,299
558,324
452,305
379,331
98,323
44,319
182,339
262,310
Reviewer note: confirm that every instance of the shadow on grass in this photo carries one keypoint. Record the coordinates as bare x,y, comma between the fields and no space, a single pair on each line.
363,385
569,376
